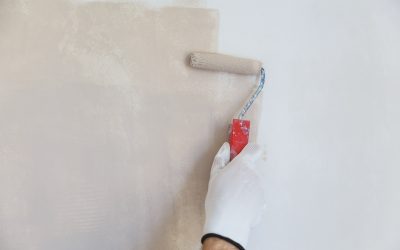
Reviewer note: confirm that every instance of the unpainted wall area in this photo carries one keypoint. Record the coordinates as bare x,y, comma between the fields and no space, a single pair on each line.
330,119
106,135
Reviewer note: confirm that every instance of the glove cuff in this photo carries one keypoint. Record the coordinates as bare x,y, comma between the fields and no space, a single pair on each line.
206,236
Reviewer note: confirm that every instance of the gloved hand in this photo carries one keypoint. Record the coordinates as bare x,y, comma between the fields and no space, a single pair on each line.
235,200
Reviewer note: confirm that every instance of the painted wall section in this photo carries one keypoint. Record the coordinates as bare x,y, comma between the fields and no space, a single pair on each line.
106,135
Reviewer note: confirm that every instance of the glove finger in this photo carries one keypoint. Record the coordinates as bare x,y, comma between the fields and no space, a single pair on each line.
221,159
250,155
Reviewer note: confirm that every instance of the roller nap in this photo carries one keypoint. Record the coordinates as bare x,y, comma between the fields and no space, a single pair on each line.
225,63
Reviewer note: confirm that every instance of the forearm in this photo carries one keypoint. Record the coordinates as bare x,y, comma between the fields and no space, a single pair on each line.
214,243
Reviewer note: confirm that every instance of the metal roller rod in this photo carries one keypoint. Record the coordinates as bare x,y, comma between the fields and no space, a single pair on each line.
253,97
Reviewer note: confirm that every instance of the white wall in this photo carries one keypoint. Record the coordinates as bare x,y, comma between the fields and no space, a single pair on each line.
331,119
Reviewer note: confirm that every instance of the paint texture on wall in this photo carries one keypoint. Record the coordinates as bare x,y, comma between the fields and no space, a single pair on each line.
106,135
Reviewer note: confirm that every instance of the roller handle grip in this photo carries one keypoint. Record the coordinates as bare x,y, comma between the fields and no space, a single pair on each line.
239,136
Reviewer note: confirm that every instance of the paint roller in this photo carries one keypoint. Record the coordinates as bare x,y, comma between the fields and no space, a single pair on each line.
239,129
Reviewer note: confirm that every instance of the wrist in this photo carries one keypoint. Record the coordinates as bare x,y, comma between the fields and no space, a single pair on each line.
224,243
235,230
215,243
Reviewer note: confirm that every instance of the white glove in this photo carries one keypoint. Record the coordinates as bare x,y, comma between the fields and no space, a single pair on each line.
235,200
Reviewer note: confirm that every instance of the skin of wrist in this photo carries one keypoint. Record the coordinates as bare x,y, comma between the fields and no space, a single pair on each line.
214,243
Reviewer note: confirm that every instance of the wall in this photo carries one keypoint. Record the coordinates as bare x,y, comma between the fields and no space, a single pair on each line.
329,121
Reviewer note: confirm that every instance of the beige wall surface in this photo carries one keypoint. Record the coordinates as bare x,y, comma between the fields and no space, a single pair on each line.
106,135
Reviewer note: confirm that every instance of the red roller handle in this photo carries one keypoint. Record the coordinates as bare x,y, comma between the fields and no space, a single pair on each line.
239,136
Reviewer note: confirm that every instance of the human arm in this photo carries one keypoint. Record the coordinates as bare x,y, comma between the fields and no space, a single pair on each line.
214,243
